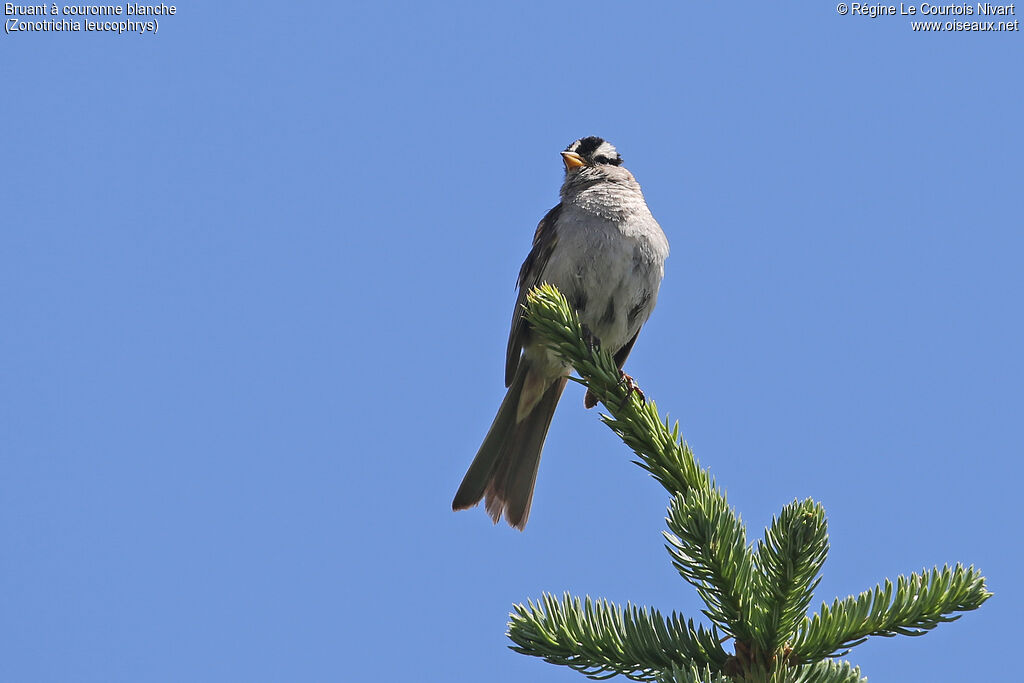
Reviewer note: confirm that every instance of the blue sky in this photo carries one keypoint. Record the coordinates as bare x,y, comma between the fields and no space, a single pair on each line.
256,273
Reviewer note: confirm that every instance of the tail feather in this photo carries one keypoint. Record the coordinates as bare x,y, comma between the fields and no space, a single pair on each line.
504,470
480,470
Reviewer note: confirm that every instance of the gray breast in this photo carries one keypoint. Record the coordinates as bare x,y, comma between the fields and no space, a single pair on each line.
610,269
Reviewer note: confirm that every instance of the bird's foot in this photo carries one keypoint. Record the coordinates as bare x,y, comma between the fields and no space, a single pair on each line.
592,342
631,387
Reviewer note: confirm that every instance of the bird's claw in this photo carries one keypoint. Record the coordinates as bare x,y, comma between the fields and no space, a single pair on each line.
631,387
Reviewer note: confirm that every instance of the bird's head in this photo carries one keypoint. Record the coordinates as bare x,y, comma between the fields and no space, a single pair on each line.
590,152
592,161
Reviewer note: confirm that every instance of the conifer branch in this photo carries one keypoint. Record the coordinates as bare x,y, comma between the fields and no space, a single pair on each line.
820,672
693,674
919,603
757,595
789,560
826,672
661,450
600,640
708,545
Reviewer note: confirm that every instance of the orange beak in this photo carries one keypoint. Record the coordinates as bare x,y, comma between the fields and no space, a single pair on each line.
572,160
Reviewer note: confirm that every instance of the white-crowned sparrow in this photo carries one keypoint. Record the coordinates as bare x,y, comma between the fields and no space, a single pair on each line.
603,249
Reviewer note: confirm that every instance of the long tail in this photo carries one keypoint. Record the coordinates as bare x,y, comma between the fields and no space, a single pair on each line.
505,468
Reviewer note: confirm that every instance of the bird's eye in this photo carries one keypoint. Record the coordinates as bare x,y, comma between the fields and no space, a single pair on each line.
602,159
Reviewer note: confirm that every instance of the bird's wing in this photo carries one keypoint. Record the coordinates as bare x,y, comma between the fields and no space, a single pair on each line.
544,240
621,355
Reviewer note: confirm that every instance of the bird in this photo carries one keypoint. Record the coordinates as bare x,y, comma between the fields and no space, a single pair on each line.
602,248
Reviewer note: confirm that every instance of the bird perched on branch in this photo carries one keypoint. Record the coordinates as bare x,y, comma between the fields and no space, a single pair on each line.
602,248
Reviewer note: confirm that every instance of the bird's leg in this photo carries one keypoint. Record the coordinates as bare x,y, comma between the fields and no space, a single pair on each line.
591,340
594,344
631,387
